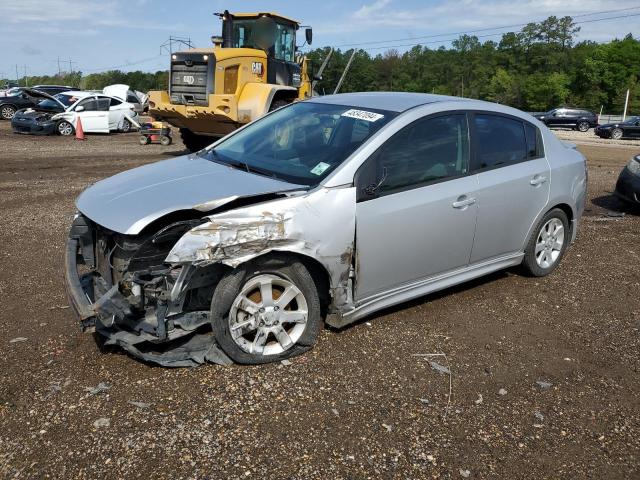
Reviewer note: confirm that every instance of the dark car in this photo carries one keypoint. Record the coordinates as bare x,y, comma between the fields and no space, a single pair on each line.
566,117
628,185
24,98
52,89
630,128
39,119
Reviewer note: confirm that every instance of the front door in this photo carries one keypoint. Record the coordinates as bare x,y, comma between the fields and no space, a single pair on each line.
513,183
416,210
93,119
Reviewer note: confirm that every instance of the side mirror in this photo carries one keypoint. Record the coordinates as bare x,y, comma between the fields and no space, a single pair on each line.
317,78
80,109
308,35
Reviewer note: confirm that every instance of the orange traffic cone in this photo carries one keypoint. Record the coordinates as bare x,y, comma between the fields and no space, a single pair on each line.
79,130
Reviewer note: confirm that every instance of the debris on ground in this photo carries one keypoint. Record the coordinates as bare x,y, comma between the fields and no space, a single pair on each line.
439,368
478,401
141,405
502,392
18,339
100,388
102,422
388,428
544,385
465,473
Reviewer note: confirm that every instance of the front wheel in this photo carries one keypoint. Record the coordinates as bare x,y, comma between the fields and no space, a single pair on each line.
616,134
65,128
583,126
266,311
547,244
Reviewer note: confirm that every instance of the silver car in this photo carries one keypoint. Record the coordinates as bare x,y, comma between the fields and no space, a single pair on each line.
326,210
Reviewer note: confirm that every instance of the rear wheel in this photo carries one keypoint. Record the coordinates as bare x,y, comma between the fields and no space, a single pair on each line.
144,140
616,133
194,142
7,112
266,311
547,244
126,126
65,129
165,140
583,126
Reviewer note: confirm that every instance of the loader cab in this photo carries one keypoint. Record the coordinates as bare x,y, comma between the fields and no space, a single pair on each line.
271,33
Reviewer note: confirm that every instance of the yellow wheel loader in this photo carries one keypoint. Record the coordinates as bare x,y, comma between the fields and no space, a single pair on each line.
252,69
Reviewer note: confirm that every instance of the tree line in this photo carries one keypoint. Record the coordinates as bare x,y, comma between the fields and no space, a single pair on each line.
535,69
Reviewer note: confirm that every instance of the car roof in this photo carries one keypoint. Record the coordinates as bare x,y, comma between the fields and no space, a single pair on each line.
76,93
390,101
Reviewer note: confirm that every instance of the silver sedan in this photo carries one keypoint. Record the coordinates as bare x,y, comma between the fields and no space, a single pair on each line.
324,211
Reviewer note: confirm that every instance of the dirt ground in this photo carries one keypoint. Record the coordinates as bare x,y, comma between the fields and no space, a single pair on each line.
361,404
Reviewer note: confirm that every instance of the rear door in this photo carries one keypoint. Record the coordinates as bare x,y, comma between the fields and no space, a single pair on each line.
415,212
513,183
94,117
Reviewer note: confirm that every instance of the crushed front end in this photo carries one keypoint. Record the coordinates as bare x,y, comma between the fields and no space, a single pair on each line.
120,286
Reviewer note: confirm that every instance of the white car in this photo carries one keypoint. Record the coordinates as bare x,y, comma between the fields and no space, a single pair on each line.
123,92
98,113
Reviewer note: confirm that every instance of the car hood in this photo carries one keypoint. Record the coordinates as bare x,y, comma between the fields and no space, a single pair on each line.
131,200
33,113
611,125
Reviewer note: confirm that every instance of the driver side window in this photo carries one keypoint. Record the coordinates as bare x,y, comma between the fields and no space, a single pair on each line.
428,150
89,104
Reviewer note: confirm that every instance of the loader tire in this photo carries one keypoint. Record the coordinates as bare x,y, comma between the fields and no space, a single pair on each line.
194,142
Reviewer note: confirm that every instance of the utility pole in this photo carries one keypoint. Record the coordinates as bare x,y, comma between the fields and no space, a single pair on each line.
17,77
59,70
319,72
626,104
344,74
168,45
26,80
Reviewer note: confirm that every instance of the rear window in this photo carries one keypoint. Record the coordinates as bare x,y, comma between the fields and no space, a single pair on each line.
500,141
534,141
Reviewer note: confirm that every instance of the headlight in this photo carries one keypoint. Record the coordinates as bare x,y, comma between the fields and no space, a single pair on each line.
205,57
634,165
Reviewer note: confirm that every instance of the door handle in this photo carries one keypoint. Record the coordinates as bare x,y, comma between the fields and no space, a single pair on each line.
538,180
463,201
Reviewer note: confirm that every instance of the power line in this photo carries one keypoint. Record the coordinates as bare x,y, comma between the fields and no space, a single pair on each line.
124,65
486,35
493,28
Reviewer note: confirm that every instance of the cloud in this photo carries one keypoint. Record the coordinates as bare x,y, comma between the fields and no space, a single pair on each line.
389,17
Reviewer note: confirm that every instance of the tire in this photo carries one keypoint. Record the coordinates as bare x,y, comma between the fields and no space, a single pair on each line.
616,133
7,112
126,126
194,142
583,126
165,140
540,248
256,342
144,140
276,104
65,129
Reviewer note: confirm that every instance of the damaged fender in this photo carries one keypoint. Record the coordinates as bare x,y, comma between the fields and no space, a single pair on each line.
320,225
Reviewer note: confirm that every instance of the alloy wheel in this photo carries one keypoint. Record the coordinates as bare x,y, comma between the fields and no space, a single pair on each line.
549,243
7,112
268,316
65,129
616,134
583,126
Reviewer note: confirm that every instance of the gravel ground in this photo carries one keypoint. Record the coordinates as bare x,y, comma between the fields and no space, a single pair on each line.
544,376
589,138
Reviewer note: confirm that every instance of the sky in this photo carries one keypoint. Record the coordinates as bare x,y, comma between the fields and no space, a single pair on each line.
98,35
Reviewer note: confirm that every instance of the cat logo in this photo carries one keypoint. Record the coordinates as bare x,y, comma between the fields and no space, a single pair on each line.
188,79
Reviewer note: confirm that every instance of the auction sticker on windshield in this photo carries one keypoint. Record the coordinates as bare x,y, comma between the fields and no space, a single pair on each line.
362,115
320,168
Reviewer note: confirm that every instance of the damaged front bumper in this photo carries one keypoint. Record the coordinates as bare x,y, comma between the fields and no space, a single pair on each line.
141,312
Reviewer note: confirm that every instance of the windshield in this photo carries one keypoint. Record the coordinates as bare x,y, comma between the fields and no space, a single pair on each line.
266,34
12,92
301,143
66,100
632,120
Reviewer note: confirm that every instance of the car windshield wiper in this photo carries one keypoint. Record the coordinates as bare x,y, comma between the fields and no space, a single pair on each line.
240,165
